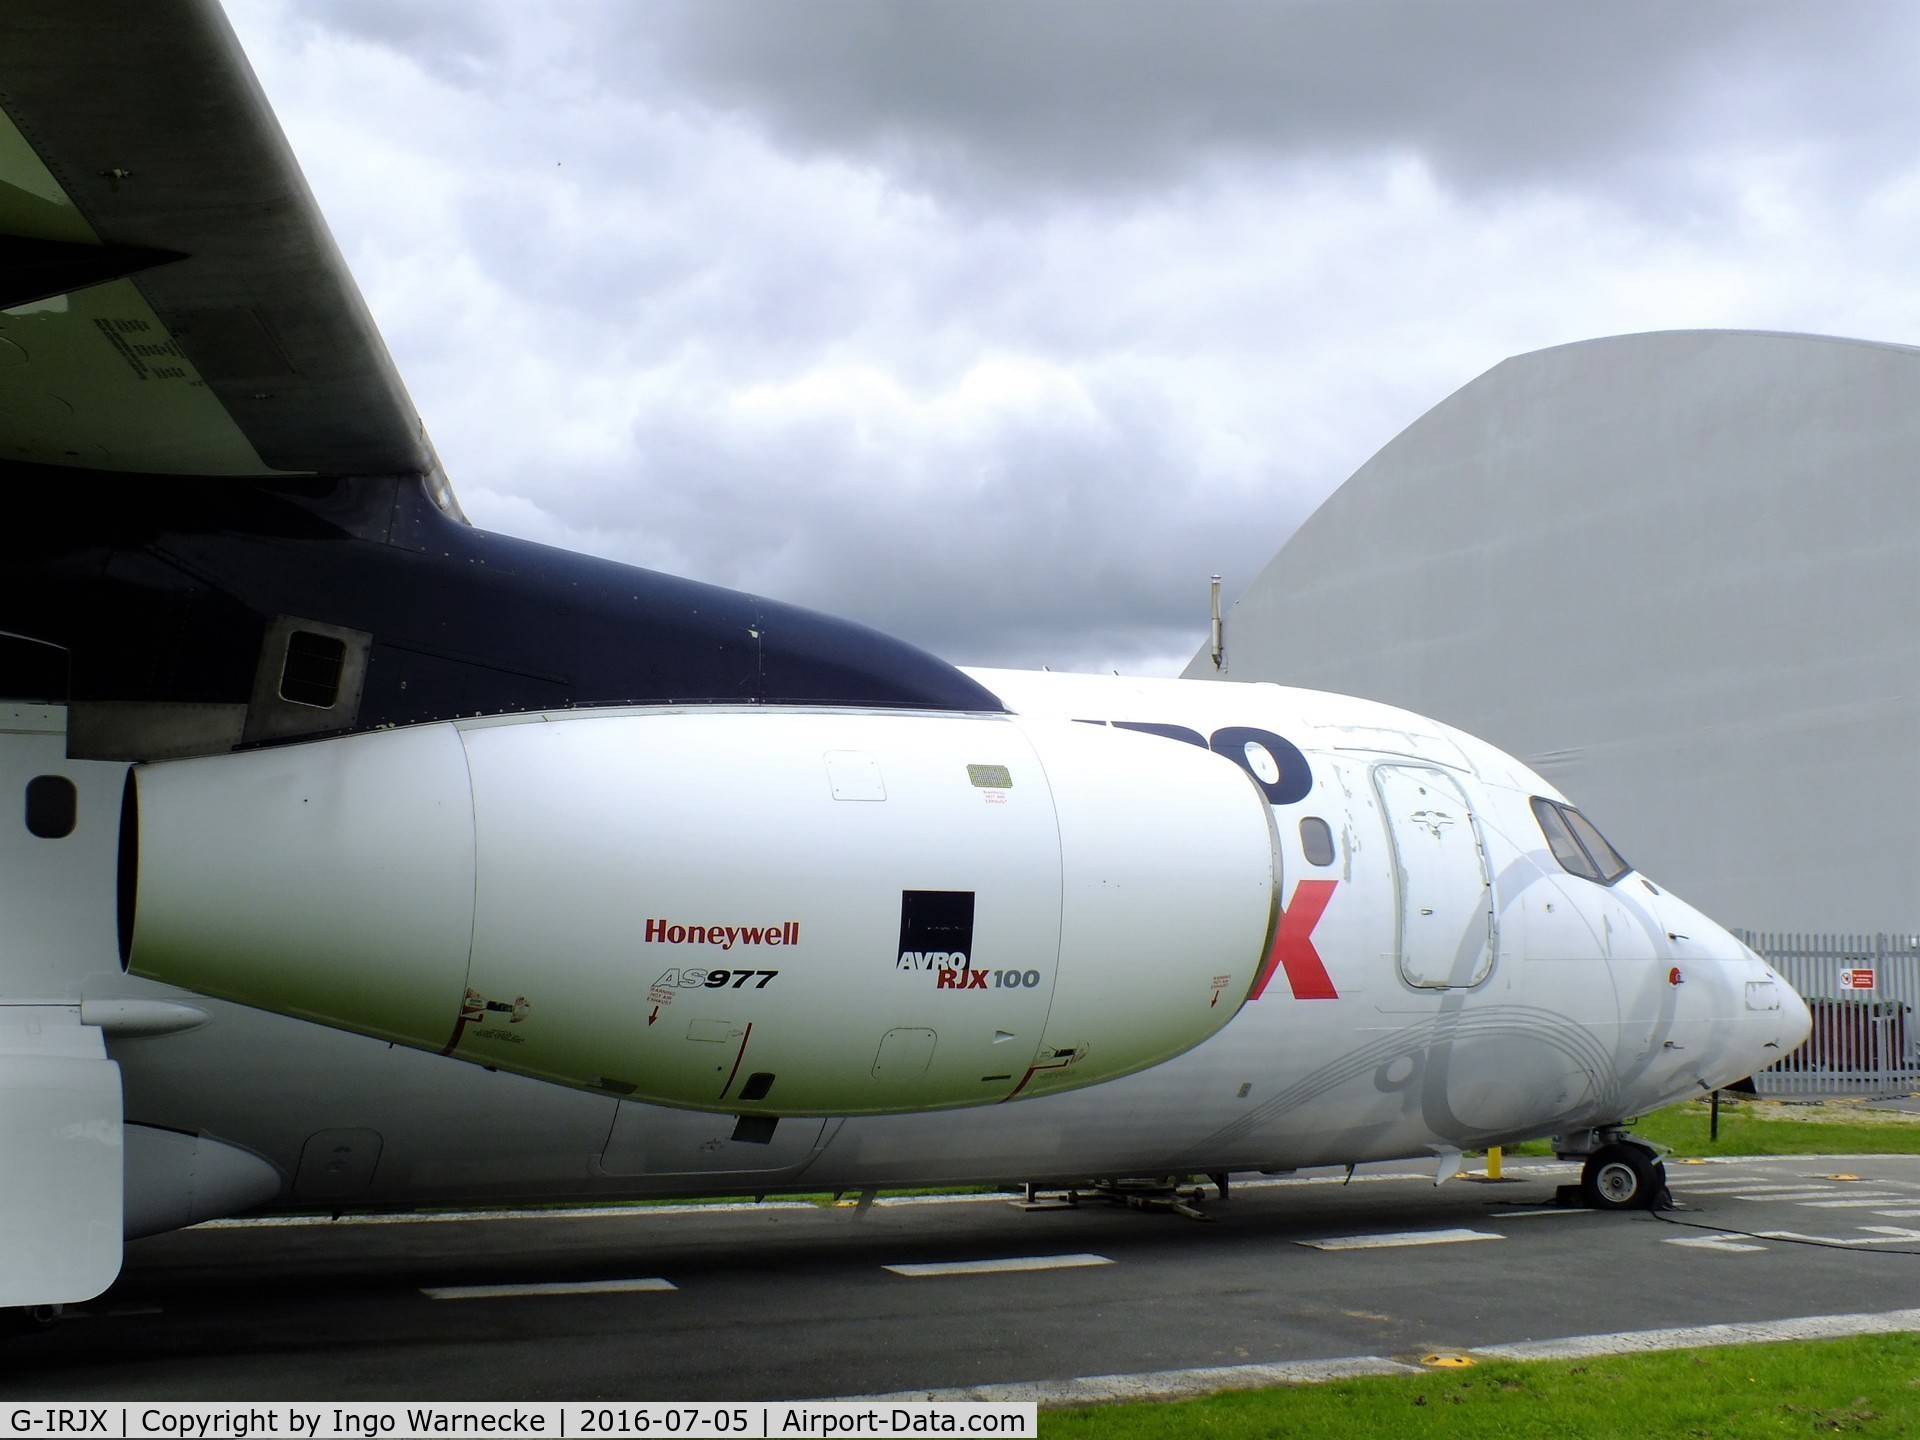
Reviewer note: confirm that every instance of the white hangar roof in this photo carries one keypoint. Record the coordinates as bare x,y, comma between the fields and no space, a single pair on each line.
1677,573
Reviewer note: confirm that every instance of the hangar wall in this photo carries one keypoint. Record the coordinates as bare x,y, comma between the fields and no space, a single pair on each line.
1677,573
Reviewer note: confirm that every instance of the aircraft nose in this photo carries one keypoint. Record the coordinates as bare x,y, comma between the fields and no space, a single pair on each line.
1793,1021
1771,1020
1758,1017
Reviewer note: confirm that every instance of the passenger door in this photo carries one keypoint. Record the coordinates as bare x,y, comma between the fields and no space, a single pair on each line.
1447,936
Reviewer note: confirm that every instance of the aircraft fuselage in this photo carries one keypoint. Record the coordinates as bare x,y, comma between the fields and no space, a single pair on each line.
1438,982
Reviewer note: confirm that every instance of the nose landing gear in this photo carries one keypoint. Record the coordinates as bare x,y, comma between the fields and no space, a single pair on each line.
1618,1173
1624,1176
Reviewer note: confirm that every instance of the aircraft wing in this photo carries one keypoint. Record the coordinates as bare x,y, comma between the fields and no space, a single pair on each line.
171,301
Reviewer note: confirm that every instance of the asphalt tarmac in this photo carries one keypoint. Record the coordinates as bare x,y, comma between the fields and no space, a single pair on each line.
803,1301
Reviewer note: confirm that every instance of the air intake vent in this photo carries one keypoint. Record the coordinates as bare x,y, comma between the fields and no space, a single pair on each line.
311,675
308,680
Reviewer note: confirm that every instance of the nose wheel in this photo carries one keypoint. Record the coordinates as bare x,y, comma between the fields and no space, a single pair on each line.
1623,1176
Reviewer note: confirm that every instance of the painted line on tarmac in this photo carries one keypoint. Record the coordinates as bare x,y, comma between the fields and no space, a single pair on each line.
1703,1337
1866,1202
1714,1242
1394,1241
1886,1235
1553,1210
997,1267
559,1287
1160,1384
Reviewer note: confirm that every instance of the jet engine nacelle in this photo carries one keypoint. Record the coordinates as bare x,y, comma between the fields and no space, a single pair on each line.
763,912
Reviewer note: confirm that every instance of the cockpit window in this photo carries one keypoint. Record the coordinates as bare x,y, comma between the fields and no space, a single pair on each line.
1580,848
1612,867
1560,840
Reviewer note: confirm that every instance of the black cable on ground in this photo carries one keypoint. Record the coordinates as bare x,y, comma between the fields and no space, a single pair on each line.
1660,1213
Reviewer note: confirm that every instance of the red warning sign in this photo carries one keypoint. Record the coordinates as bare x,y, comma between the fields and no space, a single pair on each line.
1856,979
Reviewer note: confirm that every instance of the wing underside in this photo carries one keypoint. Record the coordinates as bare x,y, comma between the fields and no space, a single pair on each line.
173,302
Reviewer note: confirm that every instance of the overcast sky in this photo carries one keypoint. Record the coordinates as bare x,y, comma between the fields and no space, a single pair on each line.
1002,326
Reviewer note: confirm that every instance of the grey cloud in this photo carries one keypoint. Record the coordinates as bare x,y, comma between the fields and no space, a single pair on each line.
982,99
1020,542
453,41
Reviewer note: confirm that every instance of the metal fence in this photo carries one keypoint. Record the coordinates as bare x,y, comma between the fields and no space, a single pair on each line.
1863,991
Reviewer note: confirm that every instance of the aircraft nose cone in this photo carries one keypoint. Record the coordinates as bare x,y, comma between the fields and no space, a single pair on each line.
1757,1015
1778,1020
1796,1019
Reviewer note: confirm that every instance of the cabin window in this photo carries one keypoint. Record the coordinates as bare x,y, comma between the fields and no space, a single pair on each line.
1316,839
53,807
1577,844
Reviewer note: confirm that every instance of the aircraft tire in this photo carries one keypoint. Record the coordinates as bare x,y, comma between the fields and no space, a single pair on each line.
1622,1176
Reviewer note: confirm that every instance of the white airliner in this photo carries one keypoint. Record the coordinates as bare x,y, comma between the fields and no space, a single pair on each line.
365,859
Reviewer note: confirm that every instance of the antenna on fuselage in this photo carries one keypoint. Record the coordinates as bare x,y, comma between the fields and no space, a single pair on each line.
1219,649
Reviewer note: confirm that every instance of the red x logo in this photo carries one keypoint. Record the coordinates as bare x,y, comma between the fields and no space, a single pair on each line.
1293,945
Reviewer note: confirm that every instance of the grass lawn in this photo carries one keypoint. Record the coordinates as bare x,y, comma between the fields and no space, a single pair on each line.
1773,1127
1868,1386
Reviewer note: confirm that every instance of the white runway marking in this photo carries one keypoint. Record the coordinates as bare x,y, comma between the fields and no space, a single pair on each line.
567,1287
1407,1237
1799,1196
1732,1187
1863,1203
1715,1242
1554,1210
1886,1235
994,1267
